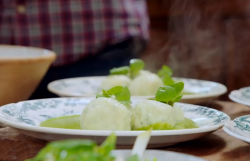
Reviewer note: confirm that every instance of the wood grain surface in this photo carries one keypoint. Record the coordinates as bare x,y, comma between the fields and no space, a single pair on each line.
217,146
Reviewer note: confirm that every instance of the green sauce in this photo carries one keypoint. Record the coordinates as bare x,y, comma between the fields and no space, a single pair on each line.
65,122
73,122
186,124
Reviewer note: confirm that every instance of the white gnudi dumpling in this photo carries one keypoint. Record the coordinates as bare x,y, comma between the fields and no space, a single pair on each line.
145,84
178,114
150,112
105,114
144,72
115,80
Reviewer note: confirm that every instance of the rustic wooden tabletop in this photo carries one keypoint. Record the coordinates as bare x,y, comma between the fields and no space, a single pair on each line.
217,146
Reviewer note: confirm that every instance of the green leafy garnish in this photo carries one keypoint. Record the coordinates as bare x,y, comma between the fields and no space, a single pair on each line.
77,150
166,75
120,71
121,94
186,124
135,66
170,94
132,70
133,158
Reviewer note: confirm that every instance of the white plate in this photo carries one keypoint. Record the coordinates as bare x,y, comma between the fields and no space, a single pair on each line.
26,117
241,96
239,128
205,91
159,155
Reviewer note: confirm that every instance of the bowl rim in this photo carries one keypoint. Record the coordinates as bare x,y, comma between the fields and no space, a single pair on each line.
49,55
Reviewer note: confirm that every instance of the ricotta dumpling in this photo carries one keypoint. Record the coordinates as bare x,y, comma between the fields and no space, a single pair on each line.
152,114
115,80
178,114
105,114
145,84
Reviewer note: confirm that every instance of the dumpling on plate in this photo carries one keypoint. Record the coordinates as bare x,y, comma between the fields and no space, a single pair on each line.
115,80
105,114
152,114
145,84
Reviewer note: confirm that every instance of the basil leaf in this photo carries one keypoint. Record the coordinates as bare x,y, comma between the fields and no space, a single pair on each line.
178,98
165,70
77,149
133,158
165,94
115,90
108,145
170,94
120,71
135,66
167,80
165,74
178,87
104,94
121,94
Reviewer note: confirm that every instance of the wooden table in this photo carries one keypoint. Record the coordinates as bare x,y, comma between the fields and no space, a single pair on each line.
217,146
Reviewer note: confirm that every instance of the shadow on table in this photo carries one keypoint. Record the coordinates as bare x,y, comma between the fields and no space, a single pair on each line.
204,146
240,153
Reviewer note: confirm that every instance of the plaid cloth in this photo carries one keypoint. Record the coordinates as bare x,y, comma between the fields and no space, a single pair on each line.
71,28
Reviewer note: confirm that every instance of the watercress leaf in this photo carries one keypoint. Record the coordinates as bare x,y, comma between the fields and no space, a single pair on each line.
121,70
133,158
167,80
115,90
165,70
108,145
178,98
178,87
104,94
123,96
165,94
135,66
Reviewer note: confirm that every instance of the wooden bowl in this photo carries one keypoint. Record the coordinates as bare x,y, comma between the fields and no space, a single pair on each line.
21,70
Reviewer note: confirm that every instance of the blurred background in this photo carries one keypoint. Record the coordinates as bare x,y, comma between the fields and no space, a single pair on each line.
203,39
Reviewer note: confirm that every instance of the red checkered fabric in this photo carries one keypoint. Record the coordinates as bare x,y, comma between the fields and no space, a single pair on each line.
71,28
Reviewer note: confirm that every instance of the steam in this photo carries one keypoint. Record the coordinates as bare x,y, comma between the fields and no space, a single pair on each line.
195,47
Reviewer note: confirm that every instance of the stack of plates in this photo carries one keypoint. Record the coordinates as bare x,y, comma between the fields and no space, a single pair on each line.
241,96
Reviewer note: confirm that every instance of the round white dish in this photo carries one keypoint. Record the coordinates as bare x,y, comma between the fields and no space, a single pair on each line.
26,117
205,91
239,128
159,155
241,96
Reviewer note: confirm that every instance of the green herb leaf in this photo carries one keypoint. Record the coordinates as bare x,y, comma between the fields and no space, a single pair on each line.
166,75
120,71
178,87
108,145
135,66
121,94
170,94
133,70
168,80
75,149
133,158
165,94
115,90
165,70
178,98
